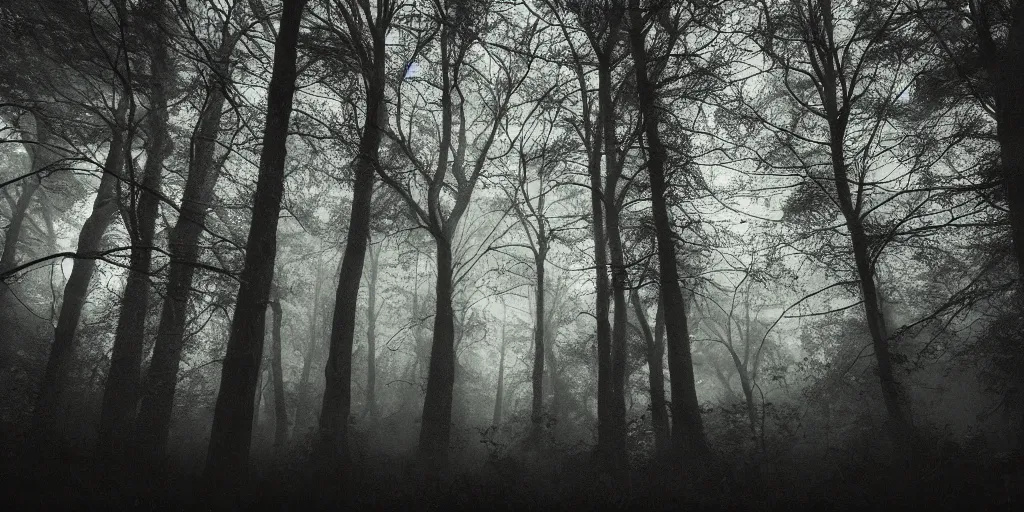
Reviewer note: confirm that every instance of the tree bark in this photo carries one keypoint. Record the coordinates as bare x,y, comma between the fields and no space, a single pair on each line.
899,427
437,405
42,157
90,241
1007,71
555,408
371,337
337,402
230,436
619,277
537,378
153,423
688,439
280,406
121,393
602,291
655,350
312,347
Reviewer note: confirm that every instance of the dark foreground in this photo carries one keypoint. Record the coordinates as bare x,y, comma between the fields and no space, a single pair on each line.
523,483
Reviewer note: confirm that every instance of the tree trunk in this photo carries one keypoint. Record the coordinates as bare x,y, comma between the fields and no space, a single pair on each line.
258,400
437,406
655,350
371,337
603,295
307,358
619,276
230,436
555,408
748,389
42,157
537,413
12,235
154,419
899,427
280,406
499,398
688,438
337,402
1009,89
1010,133
121,393
90,241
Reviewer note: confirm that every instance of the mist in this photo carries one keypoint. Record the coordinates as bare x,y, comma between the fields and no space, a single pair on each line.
512,254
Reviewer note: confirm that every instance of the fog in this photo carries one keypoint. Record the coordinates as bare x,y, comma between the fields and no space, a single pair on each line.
512,254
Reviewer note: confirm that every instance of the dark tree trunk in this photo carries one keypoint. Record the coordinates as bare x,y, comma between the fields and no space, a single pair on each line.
337,402
154,419
258,400
371,337
90,241
555,408
899,427
437,406
280,406
42,158
230,436
302,402
747,385
688,438
12,234
499,398
1010,126
121,393
537,378
416,375
603,292
655,350
619,277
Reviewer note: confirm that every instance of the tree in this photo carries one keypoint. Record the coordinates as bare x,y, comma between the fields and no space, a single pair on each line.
158,387
108,41
877,178
365,34
655,352
530,195
687,429
459,27
280,406
232,421
121,394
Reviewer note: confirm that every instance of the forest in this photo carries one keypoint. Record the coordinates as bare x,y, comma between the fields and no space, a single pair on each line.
512,254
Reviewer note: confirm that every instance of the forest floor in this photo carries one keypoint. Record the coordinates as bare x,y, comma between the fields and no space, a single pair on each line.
76,482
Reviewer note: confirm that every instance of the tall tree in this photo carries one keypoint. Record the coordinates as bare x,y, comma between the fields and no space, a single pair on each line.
313,345
364,29
499,396
372,312
459,27
655,351
601,24
280,405
160,382
108,41
841,103
982,45
687,426
121,393
532,185
228,456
